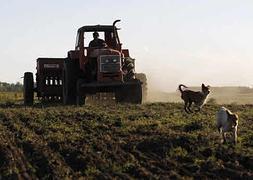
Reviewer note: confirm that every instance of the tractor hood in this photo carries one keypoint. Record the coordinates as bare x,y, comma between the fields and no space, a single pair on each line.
106,51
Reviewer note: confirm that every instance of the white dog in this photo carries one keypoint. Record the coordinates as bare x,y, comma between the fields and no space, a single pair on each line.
227,122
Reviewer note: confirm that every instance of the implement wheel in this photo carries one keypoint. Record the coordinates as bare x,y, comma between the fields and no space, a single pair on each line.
28,91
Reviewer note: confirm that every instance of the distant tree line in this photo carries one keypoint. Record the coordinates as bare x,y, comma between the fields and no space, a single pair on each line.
11,87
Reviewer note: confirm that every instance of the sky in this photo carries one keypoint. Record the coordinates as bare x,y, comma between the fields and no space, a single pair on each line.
173,41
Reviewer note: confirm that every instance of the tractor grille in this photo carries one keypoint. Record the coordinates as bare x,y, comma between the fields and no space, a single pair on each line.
110,63
110,68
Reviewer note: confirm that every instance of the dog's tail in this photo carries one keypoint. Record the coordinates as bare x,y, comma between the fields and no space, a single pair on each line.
180,87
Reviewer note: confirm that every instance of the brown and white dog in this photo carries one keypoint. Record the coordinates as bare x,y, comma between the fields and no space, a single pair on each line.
226,121
196,97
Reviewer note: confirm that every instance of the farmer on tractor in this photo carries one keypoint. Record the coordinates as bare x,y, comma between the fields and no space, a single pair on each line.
96,42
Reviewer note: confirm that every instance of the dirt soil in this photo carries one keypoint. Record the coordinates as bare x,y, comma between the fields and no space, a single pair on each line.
150,141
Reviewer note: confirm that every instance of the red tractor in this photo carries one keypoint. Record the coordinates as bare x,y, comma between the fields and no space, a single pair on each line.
88,70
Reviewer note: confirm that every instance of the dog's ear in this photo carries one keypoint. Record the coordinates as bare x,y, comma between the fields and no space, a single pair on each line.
203,85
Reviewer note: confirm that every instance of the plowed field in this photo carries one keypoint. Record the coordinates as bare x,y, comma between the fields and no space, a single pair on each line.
153,141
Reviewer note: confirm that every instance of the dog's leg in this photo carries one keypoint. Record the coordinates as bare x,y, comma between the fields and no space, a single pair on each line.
224,137
219,129
185,107
235,135
190,103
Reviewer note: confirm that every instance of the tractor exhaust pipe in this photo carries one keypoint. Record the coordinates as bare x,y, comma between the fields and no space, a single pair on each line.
114,23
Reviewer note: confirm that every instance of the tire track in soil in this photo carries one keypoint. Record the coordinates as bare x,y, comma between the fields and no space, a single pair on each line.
73,156
48,163
12,157
76,157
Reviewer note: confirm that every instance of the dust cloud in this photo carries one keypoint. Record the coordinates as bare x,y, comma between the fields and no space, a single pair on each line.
159,92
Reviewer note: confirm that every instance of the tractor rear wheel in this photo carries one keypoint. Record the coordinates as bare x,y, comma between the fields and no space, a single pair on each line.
136,94
142,77
70,76
80,99
130,94
28,89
